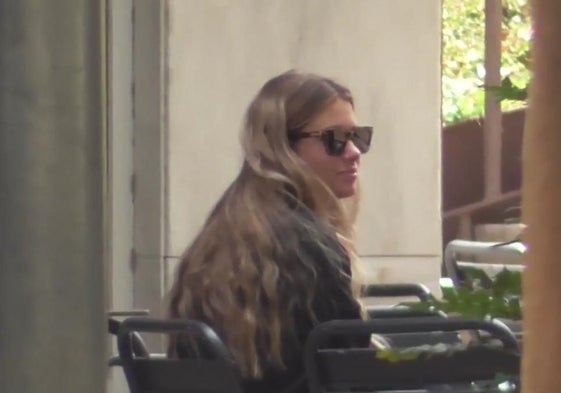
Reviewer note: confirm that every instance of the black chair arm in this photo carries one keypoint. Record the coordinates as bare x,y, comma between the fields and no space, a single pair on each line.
153,325
397,290
321,333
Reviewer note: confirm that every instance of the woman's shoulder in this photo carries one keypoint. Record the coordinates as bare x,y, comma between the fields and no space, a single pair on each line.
301,236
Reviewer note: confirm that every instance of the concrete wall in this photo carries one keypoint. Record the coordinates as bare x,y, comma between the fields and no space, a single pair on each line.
120,155
219,52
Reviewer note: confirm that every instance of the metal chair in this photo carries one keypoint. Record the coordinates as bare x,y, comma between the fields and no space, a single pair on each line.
419,291
453,263
402,340
138,346
344,370
457,264
211,372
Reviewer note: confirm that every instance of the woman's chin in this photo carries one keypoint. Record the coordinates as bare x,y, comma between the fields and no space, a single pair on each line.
346,191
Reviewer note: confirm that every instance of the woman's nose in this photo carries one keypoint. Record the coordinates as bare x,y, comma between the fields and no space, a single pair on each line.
351,152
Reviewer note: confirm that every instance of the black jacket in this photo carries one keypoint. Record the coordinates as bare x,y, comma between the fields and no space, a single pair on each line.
332,299
314,274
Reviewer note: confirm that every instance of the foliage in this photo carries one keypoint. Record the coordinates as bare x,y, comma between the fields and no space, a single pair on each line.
497,297
508,91
459,352
483,297
463,72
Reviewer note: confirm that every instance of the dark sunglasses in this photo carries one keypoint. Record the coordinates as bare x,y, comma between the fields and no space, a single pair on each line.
335,139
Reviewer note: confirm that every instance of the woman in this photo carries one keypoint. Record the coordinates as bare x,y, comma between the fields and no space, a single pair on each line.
275,255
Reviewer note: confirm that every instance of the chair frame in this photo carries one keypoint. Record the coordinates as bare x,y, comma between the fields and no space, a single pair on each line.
452,264
397,290
179,375
323,332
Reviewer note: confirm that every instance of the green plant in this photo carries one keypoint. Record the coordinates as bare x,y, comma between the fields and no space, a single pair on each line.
463,73
497,297
507,91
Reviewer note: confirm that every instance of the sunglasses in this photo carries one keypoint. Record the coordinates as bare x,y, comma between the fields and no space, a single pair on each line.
335,139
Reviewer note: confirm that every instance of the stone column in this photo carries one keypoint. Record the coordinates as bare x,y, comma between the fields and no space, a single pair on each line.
52,189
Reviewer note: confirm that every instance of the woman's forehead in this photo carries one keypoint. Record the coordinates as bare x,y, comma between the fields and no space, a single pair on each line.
339,113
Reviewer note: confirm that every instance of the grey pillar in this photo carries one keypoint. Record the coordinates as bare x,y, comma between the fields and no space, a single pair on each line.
52,186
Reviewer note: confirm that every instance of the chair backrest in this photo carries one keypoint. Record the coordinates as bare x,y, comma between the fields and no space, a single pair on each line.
338,370
138,346
397,290
456,251
211,372
423,294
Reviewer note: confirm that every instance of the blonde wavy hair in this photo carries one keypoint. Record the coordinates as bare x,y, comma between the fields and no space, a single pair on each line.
228,276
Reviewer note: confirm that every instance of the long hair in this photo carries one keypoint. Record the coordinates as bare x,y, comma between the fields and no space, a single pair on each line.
229,275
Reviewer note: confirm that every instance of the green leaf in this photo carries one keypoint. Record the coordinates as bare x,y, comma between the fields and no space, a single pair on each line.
507,282
463,42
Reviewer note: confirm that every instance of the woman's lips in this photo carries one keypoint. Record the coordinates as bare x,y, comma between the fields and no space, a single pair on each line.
349,173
